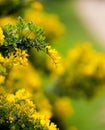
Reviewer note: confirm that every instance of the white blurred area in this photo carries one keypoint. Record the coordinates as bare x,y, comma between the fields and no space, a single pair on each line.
92,15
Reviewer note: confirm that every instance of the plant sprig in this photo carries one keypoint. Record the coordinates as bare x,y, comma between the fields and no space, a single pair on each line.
16,38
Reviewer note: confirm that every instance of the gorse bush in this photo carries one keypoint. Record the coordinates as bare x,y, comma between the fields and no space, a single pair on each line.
84,73
32,10
17,111
36,84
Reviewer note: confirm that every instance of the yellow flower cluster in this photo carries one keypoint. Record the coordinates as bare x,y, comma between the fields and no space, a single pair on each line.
7,20
45,122
1,36
21,94
5,66
53,54
84,71
55,70
54,62
88,62
2,79
19,58
10,62
18,78
19,112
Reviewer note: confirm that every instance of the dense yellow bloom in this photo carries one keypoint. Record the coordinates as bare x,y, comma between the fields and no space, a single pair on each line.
2,79
20,57
84,71
18,78
21,112
11,98
12,61
7,20
54,62
52,126
45,122
55,70
1,37
22,94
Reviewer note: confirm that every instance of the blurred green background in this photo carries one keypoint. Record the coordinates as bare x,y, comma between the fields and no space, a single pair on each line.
75,31
88,115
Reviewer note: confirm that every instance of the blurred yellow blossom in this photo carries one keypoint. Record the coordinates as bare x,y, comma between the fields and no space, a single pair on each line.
2,79
10,62
37,6
7,20
11,98
17,78
84,72
1,36
55,70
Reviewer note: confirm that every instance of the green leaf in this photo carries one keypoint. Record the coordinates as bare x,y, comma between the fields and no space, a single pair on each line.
31,27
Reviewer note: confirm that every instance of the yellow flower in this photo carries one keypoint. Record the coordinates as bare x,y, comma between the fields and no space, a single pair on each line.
55,70
31,81
53,55
52,127
37,6
2,78
22,94
20,57
10,98
1,36
6,20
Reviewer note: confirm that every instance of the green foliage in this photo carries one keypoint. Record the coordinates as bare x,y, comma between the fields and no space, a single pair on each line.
19,36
